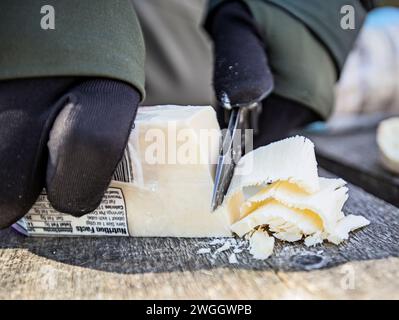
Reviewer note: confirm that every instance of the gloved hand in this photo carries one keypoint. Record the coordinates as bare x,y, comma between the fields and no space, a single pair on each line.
242,73
65,134
243,65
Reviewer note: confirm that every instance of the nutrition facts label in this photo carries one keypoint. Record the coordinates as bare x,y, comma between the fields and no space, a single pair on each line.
110,219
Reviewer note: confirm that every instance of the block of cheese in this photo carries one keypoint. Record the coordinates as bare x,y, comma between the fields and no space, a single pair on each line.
174,153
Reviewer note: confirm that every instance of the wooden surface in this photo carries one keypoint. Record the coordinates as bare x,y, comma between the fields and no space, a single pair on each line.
354,156
366,266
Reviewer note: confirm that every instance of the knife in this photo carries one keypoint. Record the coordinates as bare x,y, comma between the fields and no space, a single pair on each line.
242,117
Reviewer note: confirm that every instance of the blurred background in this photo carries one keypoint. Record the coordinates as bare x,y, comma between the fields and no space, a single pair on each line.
360,142
370,81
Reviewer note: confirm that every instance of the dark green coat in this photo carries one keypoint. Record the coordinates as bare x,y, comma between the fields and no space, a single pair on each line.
306,46
98,38
322,17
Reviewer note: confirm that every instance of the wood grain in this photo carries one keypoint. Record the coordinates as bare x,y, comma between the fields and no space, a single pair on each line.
82,268
28,276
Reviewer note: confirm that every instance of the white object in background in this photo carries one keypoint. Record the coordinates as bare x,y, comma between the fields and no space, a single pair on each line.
388,143
370,78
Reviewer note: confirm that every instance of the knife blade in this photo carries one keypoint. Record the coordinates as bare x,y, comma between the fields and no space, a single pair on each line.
229,154
233,147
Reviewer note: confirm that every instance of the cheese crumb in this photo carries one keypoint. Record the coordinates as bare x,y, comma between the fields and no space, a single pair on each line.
203,251
224,247
233,259
261,245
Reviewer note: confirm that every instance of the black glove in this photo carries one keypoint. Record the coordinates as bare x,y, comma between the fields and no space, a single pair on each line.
242,72
90,121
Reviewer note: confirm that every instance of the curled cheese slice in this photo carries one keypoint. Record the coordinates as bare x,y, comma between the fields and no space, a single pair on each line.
346,225
327,203
275,215
317,217
292,160
279,189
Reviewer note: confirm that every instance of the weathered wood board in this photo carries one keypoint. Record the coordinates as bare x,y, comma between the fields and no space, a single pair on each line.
354,156
366,266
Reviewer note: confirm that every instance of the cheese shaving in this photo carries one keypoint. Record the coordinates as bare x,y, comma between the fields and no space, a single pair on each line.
261,245
233,258
284,195
291,160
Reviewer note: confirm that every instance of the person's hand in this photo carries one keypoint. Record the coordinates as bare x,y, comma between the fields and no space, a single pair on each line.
241,71
65,134
248,49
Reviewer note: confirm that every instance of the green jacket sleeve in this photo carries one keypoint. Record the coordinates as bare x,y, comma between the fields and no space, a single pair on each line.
99,38
322,18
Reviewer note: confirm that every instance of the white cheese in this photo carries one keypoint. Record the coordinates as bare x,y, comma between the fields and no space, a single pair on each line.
276,215
326,204
174,152
285,196
233,258
261,245
292,160
345,225
204,251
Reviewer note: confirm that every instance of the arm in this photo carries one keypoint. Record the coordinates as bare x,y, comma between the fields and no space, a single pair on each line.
305,62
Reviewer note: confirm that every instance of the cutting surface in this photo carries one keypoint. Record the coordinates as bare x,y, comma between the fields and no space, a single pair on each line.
365,266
